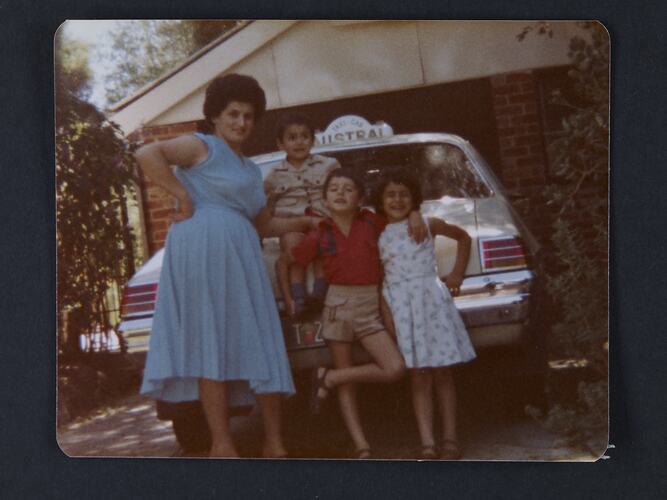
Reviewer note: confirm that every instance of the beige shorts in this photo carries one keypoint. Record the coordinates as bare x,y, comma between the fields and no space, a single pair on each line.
351,312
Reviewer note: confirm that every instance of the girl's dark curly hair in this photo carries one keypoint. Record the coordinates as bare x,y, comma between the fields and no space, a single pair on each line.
397,175
232,87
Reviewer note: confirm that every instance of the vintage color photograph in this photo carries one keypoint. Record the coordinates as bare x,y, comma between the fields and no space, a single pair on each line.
352,240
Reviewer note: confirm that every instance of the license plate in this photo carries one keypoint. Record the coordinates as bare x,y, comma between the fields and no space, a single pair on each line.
302,335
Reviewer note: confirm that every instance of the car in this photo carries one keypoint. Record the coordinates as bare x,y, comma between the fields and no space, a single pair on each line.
498,296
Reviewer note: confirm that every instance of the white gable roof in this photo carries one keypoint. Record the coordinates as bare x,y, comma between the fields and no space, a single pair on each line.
299,62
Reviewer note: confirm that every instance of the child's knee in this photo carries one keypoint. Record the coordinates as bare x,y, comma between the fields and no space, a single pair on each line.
395,370
290,240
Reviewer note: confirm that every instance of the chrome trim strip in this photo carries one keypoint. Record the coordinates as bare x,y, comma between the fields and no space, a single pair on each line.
138,303
493,282
136,324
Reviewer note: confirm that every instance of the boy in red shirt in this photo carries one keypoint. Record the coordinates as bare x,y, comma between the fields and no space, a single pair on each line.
347,244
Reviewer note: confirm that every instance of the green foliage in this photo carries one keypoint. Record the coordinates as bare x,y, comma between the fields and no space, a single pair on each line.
584,423
580,195
94,174
142,51
71,66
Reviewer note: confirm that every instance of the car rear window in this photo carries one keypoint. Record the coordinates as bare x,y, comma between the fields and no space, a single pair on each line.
443,169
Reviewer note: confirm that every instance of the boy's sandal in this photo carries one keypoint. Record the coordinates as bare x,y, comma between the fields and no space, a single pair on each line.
317,387
428,452
451,452
362,454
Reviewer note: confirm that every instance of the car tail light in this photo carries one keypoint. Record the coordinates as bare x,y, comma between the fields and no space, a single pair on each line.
503,252
138,300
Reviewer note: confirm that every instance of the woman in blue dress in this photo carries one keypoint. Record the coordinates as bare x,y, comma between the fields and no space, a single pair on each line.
216,332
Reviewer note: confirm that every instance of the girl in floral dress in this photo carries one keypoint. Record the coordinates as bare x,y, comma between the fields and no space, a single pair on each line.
429,330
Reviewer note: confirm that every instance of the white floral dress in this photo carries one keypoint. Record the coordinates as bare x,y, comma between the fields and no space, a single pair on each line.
429,328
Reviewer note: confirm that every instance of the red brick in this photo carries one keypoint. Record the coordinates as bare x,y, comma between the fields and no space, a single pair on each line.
528,140
536,149
159,225
534,129
521,98
511,131
512,109
531,181
525,76
500,100
531,118
530,107
506,142
506,89
498,80
528,87
502,121
510,172
159,235
529,161
156,196
514,151
163,213
184,128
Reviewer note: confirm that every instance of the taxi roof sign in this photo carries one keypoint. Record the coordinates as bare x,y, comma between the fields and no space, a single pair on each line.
349,128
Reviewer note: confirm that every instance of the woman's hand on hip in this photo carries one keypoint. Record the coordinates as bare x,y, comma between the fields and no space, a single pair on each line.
183,209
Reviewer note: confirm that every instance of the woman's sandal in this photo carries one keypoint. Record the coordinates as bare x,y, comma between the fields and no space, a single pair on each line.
317,387
451,452
428,452
362,454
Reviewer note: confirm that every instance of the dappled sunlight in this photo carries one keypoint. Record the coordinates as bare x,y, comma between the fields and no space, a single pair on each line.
162,439
131,430
141,408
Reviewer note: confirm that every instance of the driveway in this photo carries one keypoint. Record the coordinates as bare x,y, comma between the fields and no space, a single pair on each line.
487,430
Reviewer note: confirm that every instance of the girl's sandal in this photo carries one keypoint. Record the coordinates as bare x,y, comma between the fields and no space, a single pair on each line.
319,389
428,452
451,452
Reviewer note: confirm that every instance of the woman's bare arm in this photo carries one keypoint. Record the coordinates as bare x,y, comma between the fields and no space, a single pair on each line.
267,225
155,160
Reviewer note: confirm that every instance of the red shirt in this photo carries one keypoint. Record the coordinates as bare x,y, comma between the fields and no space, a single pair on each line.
347,260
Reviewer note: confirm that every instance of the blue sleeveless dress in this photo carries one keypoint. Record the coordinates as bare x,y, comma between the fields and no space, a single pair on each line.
216,315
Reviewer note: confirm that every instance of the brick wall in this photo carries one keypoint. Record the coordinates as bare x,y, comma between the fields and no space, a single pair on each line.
158,205
524,162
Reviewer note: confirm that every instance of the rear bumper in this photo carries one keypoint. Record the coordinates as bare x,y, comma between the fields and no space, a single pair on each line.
495,308
496,299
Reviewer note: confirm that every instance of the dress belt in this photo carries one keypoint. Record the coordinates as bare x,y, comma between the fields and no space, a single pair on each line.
408,278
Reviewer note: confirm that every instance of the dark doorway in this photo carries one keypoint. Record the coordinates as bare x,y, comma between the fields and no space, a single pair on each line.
462,108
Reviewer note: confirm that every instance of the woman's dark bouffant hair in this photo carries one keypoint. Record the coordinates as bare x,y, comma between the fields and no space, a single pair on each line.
232,87
397,175
347,173
293,118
